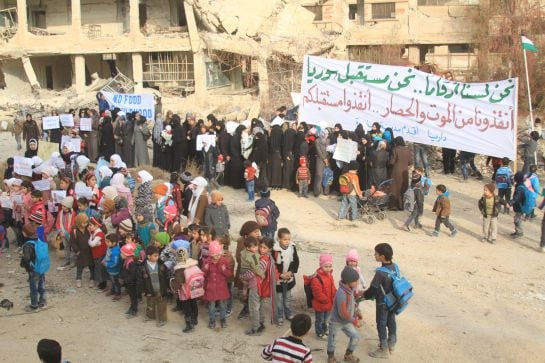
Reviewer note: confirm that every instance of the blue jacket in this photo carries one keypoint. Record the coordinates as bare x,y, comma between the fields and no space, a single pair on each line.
344,305
503,170
113,260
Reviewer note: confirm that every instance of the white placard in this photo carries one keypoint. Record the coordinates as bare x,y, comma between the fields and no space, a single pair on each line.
51,122
84,192
5,202
42,185
85,124
58,196
67,119
420,107
208,139
5,125
143,103
17,198
74,141
22,166
346,150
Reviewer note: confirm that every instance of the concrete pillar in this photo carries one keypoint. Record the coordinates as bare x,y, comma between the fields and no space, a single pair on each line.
198,53
263,84
79,73
137,72
76,17
22,21
414,54
31,75
134,17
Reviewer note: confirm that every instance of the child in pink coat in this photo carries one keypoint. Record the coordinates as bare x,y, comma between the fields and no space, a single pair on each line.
352,260
217,270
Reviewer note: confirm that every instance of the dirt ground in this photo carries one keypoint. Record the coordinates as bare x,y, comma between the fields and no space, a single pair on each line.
473,301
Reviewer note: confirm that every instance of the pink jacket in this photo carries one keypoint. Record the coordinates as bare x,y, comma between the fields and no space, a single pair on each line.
216,278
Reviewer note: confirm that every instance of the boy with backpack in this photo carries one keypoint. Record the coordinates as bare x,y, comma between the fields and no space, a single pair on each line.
383,289
35,260
416,205
266,214
345,316
349,187
523,202
323,292
503,183
302,177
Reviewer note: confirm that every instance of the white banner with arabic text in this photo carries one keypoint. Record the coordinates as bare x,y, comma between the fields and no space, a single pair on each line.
421,107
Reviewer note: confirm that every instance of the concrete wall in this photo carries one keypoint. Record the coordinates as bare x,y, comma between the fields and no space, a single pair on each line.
94,63
158,12
15,77
57,16
61,68
107,14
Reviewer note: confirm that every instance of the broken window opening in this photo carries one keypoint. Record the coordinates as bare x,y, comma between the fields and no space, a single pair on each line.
170,72
143,14
317,10
383,10
8,23
2,78
238,71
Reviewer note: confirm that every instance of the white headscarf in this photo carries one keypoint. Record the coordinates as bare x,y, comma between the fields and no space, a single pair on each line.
105,171
109,192
83,162
117,180
69,146
145,176
36,160
200,184
116,161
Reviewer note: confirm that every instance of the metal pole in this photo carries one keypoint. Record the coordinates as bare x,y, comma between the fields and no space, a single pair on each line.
529,99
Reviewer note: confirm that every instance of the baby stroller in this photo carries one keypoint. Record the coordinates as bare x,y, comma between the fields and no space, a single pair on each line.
372,206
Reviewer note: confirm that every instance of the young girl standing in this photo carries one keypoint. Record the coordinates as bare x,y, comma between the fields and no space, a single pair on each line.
97,242
80,244
217,269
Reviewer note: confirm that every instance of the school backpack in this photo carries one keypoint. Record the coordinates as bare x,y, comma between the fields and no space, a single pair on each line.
502,180
408,200
345,184
426,184
529,203
327,177
308,289
263,216
41,251
402,291
193,286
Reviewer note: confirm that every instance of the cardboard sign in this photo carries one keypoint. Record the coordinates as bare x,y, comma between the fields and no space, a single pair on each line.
51,122
85,124
346,150
42,184
5,202
74,141
46,149
84,192
58,196
22,166
208,139
67,119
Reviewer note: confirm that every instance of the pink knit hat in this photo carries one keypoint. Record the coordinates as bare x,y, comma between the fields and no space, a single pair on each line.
128,249
352,256
171,210
215,248
325,259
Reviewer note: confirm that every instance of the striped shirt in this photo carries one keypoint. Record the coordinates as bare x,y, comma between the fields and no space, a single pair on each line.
287,350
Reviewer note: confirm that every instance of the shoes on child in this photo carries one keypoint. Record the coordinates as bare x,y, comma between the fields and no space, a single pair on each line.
453,233
435,234
349,357
223,324
188,328
212,325
381,353
78,283
261,328
252,332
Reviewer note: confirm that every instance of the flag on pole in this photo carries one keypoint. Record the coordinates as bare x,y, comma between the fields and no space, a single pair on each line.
527,44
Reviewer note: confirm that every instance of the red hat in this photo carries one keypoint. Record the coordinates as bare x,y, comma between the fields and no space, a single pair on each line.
128,249
160,189
302,161
220,158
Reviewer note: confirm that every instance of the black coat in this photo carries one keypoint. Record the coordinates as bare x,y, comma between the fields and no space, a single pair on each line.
147,286
179,147
107,143
236,168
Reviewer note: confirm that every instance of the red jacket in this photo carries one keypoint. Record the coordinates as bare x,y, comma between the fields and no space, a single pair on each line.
177,196
323,293
99,250
215,284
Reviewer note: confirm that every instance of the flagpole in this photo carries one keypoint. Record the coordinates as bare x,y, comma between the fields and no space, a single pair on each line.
529,99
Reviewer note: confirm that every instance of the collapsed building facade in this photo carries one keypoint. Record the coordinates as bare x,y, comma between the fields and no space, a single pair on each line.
202,48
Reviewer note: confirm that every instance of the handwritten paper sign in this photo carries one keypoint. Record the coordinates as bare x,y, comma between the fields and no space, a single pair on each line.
46,149
85,124
58,196
50,122
5,202
67,119
420,107
22,166
143,103
75,142
346,150
205,139
84,192
42,184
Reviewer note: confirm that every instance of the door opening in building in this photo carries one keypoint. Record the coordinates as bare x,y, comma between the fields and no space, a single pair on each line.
142,9
49,77
38,19
182,20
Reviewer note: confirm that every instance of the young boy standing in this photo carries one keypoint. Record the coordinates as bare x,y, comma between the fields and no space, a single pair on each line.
349,186
287,265
417,186
489,206
266,284
155,286
345,316
381,285
112,263
442,211
503,183
291,348
302,177
35,260
250,176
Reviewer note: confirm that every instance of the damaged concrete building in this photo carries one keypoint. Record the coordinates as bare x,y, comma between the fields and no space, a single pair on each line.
206,48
